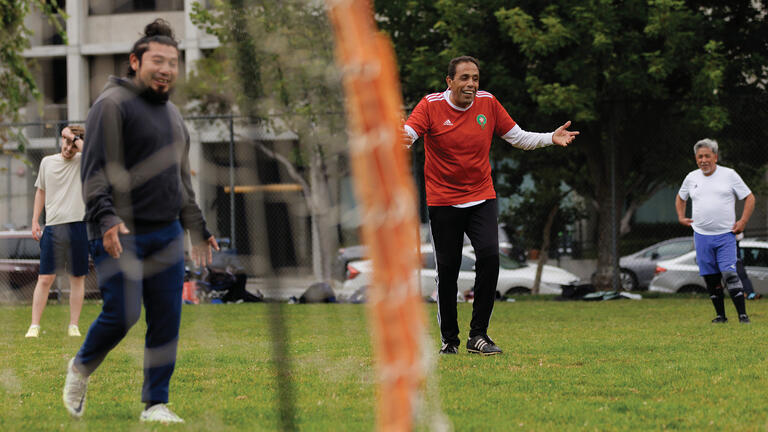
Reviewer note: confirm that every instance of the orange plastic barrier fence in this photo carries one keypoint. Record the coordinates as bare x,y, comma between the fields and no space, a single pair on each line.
385,188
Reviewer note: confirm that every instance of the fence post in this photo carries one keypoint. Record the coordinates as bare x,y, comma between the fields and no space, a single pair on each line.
232,230
614,217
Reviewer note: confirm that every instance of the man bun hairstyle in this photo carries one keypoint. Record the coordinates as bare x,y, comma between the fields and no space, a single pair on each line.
463,59
159,31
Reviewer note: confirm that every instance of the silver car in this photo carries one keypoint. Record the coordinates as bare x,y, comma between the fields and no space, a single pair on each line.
637,269
681,274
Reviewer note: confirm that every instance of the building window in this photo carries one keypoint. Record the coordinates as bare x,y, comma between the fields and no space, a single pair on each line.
109,7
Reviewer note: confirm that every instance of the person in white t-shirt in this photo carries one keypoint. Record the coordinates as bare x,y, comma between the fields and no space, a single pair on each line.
713,190
64,240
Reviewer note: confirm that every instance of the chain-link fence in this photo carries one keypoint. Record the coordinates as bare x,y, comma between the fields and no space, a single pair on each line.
273,201
278,195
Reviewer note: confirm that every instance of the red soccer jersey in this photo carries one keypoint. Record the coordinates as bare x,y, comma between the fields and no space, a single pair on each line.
457,142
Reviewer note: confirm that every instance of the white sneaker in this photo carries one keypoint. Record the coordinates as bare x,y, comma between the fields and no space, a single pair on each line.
33,332
160,413
72,330
75,387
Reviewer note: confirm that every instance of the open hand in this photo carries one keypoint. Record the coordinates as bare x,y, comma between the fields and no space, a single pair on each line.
563,136
201,253
111,240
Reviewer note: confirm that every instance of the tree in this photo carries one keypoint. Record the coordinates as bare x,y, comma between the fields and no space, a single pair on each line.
640,78
275,65
17,84
542,209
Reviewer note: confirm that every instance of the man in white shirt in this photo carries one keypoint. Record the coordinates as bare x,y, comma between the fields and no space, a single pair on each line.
713,190
64,240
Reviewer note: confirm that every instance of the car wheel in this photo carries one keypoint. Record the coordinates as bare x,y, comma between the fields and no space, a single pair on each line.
688,289
517,291
628,280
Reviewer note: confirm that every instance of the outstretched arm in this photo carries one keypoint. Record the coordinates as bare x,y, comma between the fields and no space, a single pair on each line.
525,140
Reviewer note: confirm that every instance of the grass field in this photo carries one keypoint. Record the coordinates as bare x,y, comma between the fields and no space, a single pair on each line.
654,364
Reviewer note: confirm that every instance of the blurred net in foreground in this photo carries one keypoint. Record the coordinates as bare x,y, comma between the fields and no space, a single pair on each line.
389,212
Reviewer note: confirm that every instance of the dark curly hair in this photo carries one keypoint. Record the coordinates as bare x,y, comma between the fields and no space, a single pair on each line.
159,31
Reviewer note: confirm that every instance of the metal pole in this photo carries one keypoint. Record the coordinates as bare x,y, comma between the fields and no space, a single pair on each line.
614,239
232,230
9,190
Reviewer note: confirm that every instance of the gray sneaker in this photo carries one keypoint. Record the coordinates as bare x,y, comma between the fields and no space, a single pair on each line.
75,387
161,414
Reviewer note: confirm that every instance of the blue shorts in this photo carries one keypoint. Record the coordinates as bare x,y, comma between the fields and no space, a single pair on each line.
715,253
64,245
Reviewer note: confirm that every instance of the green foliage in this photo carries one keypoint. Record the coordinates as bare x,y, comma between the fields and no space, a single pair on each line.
642,79
276,61
17,83
653,364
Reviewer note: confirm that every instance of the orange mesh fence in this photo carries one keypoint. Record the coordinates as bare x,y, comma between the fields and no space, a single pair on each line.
388,200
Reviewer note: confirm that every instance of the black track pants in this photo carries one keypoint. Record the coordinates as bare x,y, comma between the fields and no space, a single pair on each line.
448,225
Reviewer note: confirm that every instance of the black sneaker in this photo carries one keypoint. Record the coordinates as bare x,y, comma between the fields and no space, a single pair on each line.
482,345
719,320
449,349
744,319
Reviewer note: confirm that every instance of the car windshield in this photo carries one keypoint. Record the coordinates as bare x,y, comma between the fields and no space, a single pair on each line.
670,250
754,256
508,263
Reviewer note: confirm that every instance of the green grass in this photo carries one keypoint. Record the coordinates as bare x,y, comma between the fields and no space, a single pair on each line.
653,364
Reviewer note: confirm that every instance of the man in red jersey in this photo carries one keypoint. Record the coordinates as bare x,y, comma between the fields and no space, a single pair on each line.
458,126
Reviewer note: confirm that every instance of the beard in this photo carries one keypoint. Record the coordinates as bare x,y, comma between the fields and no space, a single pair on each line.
154,97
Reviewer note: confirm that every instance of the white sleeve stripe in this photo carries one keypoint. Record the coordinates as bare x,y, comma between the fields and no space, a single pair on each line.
412,133
527,140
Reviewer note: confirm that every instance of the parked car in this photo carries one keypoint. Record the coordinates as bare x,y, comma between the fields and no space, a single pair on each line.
514,277
681,274
344,257
360,252
20,266
637,269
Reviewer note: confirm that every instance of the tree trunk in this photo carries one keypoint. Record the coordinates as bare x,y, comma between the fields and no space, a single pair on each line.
545,241
606,261
323,240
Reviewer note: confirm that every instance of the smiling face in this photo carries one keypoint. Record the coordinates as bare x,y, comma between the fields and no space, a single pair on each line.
464,84
706,160
158,67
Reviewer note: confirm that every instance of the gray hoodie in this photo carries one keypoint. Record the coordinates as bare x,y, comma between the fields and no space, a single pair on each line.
135,165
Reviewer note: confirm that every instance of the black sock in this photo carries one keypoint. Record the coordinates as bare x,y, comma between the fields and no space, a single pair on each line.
150,404
738,300
718,300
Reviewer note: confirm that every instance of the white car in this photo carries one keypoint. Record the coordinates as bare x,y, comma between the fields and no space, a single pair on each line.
681,274
514,277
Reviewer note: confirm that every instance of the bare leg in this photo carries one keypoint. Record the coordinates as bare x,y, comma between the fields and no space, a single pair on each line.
76,295
40,297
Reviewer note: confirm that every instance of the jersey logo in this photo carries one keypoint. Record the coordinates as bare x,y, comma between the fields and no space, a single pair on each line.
447,123
481,120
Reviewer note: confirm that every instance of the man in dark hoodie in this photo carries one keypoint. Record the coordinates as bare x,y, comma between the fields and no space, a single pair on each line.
139,203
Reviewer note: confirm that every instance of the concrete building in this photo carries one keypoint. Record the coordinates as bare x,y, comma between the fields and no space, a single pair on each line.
70,77
100,35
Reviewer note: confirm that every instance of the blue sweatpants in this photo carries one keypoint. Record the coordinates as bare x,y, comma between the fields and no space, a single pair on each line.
151,268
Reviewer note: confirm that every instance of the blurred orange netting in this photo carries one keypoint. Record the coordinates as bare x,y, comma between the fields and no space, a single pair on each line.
386,191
